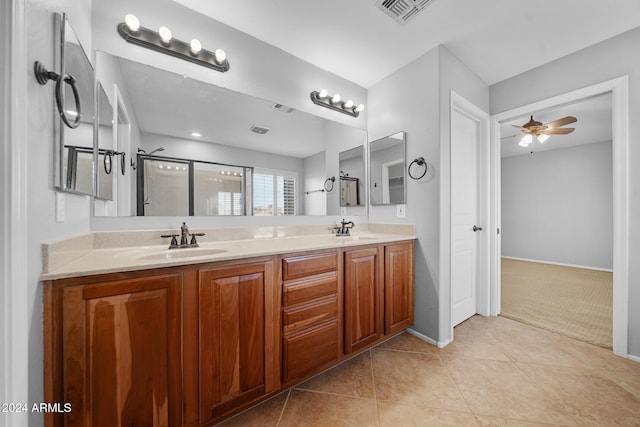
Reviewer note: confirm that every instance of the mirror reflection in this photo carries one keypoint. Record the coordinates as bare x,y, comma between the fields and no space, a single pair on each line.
352,174
387,176
288,151
108,164
73,162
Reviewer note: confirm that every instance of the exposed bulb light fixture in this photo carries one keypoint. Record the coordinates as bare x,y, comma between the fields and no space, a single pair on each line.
335,102
132,22
163,41
220,56
165,35
195,47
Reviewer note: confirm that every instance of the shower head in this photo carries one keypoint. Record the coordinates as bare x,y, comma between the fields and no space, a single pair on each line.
156,150
140,150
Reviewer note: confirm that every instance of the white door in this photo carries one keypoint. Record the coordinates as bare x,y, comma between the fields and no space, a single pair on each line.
465,135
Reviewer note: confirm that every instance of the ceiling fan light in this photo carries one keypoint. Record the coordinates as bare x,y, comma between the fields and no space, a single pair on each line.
526,140
542,138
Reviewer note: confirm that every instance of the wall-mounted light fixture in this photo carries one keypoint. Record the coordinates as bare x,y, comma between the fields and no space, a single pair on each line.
336,103
163,41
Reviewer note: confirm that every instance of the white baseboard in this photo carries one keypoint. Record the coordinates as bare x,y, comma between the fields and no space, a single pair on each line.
439,344
586,267
634,358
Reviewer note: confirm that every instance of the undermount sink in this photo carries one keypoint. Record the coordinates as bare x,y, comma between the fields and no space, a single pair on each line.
181,253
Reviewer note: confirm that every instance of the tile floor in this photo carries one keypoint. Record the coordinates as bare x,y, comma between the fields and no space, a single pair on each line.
497,372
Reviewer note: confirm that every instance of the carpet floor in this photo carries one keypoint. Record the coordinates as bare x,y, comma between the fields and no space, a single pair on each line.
575,302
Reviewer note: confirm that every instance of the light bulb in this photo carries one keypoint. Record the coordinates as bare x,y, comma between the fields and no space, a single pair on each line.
132,22
542,138
220,55
526,140
323,93
196,134
336,98
196,47
349,103
360,108
165,34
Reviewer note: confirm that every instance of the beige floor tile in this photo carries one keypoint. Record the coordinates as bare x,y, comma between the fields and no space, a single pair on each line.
473,339
590,396
351,378
398,414
266,414
305,408
497,388
485,421
408,342
417,378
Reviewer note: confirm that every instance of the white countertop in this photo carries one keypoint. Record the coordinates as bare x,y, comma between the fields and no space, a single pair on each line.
128,258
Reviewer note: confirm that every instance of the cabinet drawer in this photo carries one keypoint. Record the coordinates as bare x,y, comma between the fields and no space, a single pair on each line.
309,289
305,315
306,265
310,350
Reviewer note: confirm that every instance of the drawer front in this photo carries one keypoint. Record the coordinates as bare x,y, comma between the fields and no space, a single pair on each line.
302,316
308,265
308,289
309,351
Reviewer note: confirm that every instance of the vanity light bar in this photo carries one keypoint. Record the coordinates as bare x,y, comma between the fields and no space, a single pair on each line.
163,41
335,103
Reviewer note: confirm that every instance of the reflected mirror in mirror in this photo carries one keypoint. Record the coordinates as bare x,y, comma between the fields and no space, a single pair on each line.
74,145
387,166
352,172
108,161
195,120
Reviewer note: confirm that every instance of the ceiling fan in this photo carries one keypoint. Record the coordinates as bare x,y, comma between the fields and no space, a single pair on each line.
542,131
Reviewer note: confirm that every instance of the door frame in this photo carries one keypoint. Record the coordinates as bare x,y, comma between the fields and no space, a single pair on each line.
619,88
462,105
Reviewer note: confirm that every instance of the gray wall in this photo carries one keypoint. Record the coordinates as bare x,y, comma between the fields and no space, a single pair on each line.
604,61
557,206
416,99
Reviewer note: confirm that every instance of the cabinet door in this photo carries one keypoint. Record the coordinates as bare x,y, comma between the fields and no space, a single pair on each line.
122,352
362,298
235,336
398,287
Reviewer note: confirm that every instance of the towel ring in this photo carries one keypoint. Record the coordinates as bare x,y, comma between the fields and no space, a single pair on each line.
420,162
43,76
333,182
107,165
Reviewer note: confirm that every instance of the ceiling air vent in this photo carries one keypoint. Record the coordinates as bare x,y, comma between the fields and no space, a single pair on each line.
259,129
282,108
402,11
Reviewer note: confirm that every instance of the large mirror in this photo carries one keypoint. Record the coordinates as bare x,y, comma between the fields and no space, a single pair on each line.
352,173
74,159
387,170
176,118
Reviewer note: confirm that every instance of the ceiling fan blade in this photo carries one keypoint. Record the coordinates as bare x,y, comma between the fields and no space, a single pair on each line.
558,131
510,136
561,122
519,127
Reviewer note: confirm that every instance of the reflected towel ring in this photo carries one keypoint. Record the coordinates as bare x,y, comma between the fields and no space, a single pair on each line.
419,161
43,76
123,163
333,182
107,166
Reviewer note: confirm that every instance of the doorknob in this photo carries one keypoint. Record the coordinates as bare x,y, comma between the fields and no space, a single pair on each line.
476,228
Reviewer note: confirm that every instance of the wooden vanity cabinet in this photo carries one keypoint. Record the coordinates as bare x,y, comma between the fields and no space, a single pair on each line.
311,303
363,298
238,333
398,287
113,349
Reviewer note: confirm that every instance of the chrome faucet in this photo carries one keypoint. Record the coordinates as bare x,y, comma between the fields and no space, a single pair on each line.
343,228
184,238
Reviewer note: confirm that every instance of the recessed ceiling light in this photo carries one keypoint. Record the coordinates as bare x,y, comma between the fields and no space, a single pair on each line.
196,134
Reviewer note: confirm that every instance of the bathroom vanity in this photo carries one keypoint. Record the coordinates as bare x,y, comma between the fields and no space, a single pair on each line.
146,336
